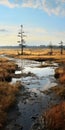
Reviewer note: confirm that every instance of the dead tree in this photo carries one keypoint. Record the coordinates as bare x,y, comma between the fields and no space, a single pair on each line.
51,49
21,35
61,47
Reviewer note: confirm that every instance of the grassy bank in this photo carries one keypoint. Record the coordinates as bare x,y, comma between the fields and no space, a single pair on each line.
60,75
8,92
7,68
54,118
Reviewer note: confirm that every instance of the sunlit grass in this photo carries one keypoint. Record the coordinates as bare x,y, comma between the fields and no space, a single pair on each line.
54,118
35,54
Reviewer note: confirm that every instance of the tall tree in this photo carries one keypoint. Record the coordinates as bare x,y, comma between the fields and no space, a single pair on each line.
51,48
21,35
61,47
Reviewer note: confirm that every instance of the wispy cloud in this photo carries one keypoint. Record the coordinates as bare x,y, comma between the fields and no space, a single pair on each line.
3,30
56,7
8,29
8,3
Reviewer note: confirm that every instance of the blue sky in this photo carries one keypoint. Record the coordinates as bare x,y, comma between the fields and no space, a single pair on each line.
43,21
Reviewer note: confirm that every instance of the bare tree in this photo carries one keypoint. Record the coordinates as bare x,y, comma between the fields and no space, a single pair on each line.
61,47
21,35
51,48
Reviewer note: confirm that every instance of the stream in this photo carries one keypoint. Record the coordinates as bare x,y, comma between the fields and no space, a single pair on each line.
32,100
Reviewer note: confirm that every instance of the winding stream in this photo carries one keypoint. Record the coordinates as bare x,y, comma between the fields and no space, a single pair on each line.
32,100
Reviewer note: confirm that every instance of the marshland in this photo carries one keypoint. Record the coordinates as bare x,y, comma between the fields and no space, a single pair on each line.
32,89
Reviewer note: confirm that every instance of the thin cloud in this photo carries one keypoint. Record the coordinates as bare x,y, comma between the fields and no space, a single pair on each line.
56,7
8,29
8,3
3,30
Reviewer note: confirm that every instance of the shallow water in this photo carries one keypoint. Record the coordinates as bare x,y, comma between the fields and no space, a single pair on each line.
43,78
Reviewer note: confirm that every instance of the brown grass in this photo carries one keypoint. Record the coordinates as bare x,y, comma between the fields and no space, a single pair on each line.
7,68
7,99
59,91
62,79
60,88
36,54
7,91
54,119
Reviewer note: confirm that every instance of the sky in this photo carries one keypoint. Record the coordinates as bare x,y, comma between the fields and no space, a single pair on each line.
43,21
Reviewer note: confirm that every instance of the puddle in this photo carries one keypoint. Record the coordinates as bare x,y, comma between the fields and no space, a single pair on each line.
43,78
40,71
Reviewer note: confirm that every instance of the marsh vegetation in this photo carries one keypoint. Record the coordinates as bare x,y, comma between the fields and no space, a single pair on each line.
33,80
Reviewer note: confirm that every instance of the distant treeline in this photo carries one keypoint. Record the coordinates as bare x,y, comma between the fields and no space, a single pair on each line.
26,46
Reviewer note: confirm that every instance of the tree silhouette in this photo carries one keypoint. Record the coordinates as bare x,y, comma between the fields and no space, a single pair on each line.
21,35
61,47
51,47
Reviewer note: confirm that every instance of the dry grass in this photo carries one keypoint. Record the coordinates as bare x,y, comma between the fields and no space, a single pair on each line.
62,79
7,99
2,59
36,54
54,119
9,66
59,72
7,91
6,69
60,88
